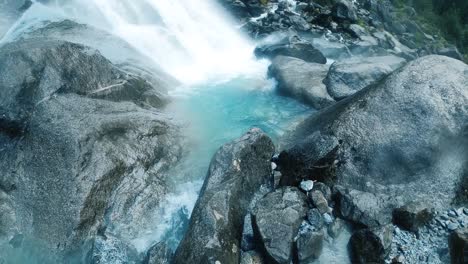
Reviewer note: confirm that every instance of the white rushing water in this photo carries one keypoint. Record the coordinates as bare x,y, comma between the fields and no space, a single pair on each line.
192,40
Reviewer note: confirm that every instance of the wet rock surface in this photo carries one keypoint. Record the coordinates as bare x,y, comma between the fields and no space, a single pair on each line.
277,218
236,172
301,80
81,125
371,245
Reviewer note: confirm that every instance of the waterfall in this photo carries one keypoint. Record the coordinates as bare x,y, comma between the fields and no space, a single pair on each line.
192,40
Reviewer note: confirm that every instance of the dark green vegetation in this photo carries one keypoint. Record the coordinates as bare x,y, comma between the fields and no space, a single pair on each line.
449,17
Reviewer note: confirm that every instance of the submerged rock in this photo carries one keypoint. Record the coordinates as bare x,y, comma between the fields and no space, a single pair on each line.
79,130
301,80
349,76
277,218
236,172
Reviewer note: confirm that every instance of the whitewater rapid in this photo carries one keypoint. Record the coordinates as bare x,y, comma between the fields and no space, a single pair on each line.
194,41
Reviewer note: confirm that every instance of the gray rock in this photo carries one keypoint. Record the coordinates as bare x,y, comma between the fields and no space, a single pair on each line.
159,254
364,208
327,218
401,140
412,216
74,130
251,257
344,10
324,189
301,80
370,245
277,218
458,245
291,47
319,201
315,218
451,52
349,76
236,172
309,246
247,242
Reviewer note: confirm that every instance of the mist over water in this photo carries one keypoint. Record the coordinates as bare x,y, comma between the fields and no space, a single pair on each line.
192,40
224,90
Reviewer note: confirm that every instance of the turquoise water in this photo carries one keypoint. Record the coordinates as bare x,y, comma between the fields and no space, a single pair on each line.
213,115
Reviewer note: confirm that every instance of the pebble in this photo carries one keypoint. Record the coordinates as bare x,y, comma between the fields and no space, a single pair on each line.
273,166
452,226
465,211
307,186
327,218
452,214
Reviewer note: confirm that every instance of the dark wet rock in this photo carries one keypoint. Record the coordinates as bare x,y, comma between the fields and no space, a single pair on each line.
324,189
291,47
251,257
247,242
309,246
83,130
392,143
277,218
458,244
349,76
319,201
315,218
301,80
451,52
370,245
335,228
344,10
310,159
159,254
236,172
364,208
413,216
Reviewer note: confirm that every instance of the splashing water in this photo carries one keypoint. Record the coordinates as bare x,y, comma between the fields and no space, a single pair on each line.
190,39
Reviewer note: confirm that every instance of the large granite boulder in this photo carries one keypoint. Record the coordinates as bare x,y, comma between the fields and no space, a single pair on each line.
74,131
301,80
458,245
236,172
277,218
404,138
351,75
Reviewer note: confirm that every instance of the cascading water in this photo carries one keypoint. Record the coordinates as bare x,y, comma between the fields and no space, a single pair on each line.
224,88
191,40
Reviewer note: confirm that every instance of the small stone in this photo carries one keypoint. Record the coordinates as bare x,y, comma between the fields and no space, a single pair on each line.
319,201
320,186
309,245
276,178
315,218
273,166
465,211
452,214
307,185
327,218
452,226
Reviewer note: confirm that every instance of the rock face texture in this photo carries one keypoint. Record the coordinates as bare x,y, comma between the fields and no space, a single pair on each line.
370,245
277,218
458,243
404,138
349,76
291,46
236,172
302,80
74,132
